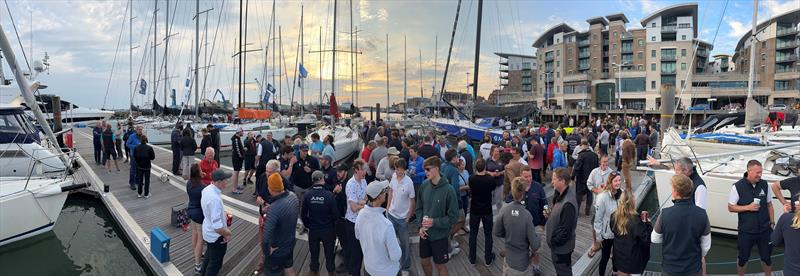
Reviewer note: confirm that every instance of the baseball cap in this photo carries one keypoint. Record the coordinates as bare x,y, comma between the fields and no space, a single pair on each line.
328,157
220,174
317,176
375,188
342,167
303,147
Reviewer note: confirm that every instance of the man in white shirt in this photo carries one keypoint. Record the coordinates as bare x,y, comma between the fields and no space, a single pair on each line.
376,235
401,208
356,200
384,169
216,233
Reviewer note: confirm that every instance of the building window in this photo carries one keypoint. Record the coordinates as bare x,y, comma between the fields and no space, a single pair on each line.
683,37
683,65
653,83
558,63
639,67
683,52
652,67
615,34
558,74
763,45
558,89
653,38
558,53
614,46
652,53
557,40
632,84
641,42
683,83
641,55
653,25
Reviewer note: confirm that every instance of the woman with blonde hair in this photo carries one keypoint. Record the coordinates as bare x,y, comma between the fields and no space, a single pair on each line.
606,204
787,234
631,236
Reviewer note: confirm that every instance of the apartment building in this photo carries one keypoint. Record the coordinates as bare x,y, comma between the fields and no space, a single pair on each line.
517,73
610,65
722,63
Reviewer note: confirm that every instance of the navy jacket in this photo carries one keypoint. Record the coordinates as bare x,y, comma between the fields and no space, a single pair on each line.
534,200
279,226
319,209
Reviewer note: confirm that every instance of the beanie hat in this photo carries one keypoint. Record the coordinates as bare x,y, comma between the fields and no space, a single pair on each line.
275,183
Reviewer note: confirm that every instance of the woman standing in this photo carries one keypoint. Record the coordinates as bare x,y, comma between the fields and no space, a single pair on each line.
606,204
194,188
631,236
787,233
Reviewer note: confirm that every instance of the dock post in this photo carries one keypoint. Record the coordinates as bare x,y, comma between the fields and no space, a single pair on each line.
377,111
57,121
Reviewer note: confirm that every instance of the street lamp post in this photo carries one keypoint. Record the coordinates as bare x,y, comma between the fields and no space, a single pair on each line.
619,83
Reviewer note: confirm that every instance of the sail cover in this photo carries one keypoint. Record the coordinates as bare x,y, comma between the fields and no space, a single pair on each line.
246,113
513,112
754,112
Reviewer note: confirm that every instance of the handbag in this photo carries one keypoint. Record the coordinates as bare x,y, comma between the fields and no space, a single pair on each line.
180,216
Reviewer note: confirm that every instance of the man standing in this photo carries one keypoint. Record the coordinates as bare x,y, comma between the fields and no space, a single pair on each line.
97,134
793,185
213,133
356,189
319,215
340,194
536,159
515,226
481,186
584,165
401,207
279,227
143,154
175,146
559,157
751,199
684,231
642,146
216,233
264,153
376,235
437,210
426,150
561,223
131,144
250,150
685,166
237,160
385,169
301,173
604,139
316,145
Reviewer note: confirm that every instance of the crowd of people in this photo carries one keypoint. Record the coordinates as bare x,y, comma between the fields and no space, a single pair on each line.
439,188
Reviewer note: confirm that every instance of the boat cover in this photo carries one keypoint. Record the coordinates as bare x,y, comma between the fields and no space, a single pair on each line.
725,138
246,113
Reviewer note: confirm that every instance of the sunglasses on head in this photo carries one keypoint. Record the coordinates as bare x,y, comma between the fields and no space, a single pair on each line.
427,169
614,173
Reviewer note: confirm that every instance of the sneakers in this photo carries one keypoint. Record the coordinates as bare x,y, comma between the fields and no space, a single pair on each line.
147,196
454,252
489,261
454,244
197,268
138,195
405,273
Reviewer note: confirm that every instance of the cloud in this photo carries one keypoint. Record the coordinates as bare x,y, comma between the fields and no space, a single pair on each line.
647,6
776,7
737,28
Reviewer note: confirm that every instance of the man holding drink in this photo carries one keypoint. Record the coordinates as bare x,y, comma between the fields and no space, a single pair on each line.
751,199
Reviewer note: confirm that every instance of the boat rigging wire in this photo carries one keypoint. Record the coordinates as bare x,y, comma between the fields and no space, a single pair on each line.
19,40
116,51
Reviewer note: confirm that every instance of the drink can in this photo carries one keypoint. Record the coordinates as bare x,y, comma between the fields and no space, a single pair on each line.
229,219
757,201
546,209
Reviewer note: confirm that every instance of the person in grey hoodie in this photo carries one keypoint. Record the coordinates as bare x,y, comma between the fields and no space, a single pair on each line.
515,226
279,227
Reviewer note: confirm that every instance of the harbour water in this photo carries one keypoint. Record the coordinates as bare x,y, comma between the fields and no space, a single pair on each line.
85,241
721,259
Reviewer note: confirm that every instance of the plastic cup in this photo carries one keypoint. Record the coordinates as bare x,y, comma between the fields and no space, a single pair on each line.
757,201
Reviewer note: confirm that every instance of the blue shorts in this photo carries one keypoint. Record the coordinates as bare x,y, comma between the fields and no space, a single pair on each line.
745,242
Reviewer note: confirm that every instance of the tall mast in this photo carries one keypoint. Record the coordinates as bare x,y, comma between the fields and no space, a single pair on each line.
405,76
387,74
333,67
420,74
356,73
273,52
242,54
280,65
197,61
166,56
320,65
239,82
130,56
747,126
155,56
302,87
435,67
477,58
352,77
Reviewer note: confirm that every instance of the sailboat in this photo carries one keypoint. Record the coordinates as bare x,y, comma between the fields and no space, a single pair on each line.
32,193
722,159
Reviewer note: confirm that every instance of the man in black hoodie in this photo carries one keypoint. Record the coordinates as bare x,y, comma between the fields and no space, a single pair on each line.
215,142
319,215
586,162
175,146
143,154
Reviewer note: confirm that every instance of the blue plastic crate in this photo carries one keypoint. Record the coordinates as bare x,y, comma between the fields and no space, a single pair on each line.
159,244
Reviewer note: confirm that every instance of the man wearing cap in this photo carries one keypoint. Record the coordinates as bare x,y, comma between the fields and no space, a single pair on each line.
376,235
319,215
301,173
385,169
326,166
356,199
237,158
175,146
279,227
216,233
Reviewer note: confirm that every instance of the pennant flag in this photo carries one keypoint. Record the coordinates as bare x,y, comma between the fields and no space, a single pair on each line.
266,98
303,71
270,88
187,91
142,87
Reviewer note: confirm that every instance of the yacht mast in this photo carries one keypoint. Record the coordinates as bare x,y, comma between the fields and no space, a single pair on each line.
166,57
333,67
302,87
130,57
387,76
405,77
477,60
352,77
752,70
197,60
155,56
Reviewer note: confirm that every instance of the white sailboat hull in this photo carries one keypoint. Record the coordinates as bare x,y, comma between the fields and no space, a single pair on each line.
345,140
29,207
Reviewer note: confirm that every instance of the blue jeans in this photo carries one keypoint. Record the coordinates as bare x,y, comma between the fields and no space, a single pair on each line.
133,177
401,230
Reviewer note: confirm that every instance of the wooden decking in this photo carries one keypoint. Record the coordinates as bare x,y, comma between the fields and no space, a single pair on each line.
138,215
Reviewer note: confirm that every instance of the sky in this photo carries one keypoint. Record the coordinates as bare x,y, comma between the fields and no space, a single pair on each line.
88,43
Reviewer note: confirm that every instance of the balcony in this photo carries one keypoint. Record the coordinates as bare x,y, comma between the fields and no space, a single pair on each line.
577,77
669,28
785,70
583,67
702,53
583,55
549,58
604,75
627,36
668,71
786,45
668,58
786,58
583,43
627,50
549,78
787,31
605,42
503,76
